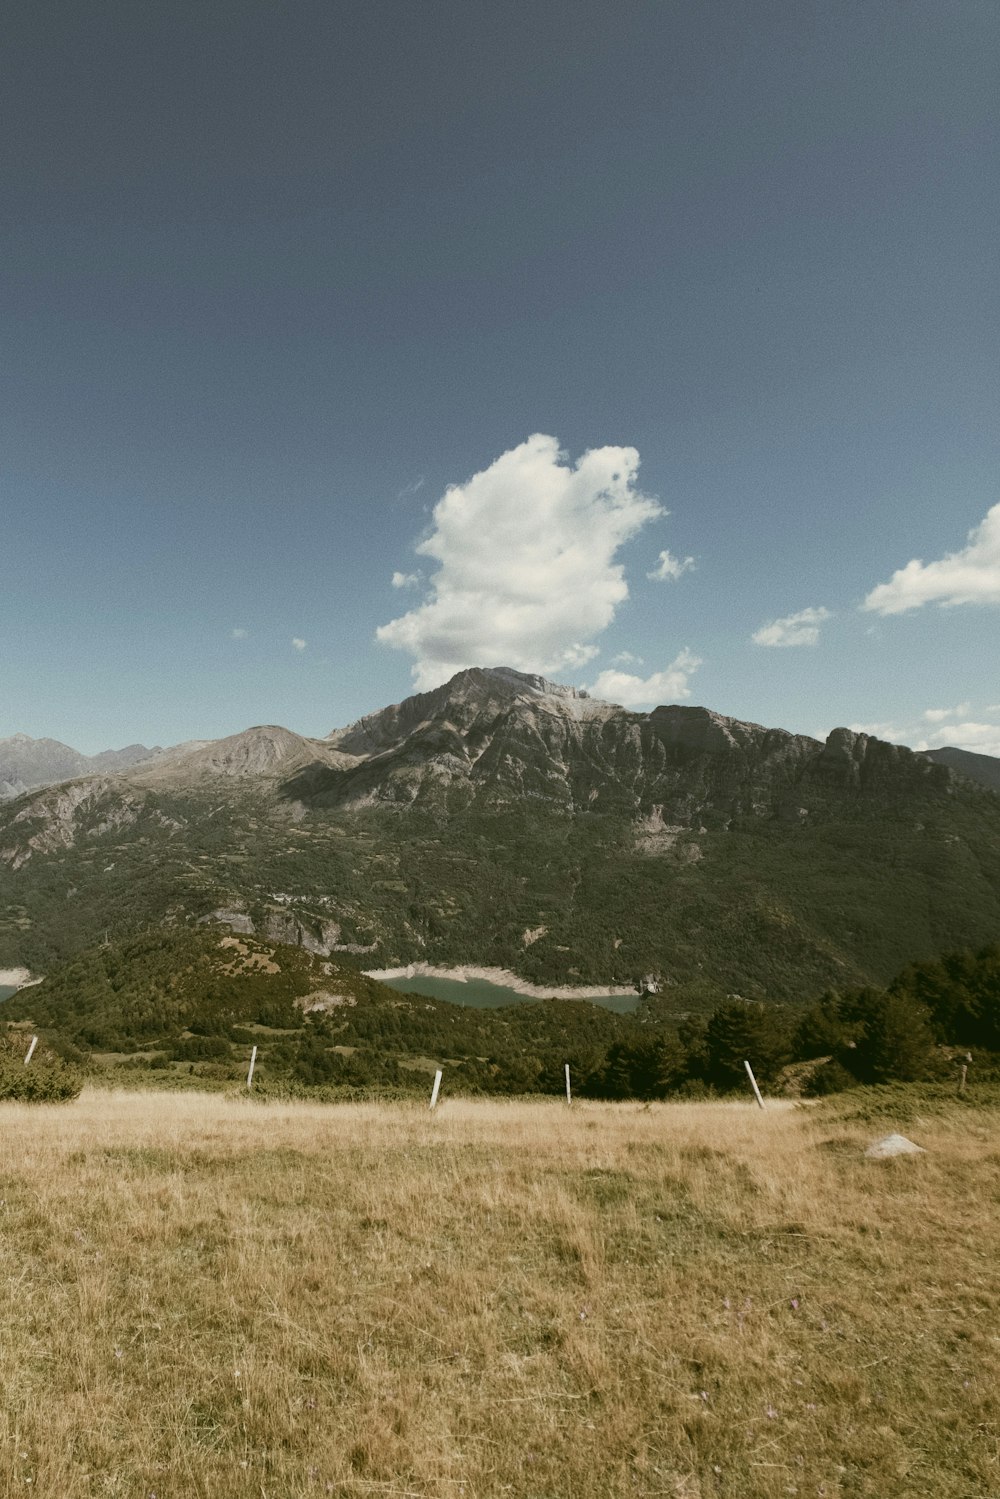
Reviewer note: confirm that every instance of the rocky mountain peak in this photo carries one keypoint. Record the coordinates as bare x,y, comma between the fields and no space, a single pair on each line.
260,750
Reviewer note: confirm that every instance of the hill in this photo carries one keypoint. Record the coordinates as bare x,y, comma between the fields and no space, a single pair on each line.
193,1001
982,768
504,820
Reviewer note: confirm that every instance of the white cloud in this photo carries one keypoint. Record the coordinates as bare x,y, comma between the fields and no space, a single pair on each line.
526,551
669,568
794,629
888,731
405,580
238,633
983,738
299,645
668,686
971,576
626,658
938,715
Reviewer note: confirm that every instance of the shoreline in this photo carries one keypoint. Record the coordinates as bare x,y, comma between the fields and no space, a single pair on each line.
16,978
504,978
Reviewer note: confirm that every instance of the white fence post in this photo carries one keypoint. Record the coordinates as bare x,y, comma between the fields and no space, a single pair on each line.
253,1063
753,1084
31,1050
569,1095
436,1089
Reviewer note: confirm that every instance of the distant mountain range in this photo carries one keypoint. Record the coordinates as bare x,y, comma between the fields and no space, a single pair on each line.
506,820
26,763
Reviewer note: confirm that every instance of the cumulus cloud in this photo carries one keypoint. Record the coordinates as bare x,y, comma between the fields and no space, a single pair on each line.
238,633
888,731
982,738
626,658
669,568
971,576
667,686
299,645
938,715
526,553
794,629
405,580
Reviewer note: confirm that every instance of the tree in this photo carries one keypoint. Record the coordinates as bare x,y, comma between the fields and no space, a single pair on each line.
740,1031
895,1040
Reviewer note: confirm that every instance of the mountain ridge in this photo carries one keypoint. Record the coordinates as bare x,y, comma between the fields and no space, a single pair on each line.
447,828
27,763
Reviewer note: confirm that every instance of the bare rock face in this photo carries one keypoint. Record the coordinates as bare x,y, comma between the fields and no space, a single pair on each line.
262,752
321,937
59,815
498,735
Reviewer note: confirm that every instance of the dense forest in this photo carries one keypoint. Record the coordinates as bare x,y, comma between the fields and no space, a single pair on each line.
187,1003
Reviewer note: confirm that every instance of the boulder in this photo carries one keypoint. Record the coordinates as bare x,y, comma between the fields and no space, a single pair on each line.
890,1145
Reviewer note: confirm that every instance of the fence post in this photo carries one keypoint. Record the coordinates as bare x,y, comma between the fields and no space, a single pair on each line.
253,1063
753,1084
436,1089
31,1050
569,1095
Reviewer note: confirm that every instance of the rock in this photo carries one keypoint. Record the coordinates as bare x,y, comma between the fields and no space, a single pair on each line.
890,1145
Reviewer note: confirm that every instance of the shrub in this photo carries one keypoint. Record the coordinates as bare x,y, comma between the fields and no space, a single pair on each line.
46,1079
829,1077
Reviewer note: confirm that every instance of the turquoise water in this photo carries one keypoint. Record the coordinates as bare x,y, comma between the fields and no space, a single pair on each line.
485,996
6,992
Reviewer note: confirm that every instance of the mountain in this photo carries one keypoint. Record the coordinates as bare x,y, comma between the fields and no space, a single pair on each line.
26,763
982,768
506,820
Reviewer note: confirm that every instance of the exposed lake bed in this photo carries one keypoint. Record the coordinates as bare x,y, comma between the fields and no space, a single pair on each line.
12,979
493,988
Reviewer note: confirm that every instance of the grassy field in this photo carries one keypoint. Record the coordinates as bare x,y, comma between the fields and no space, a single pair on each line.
207,1296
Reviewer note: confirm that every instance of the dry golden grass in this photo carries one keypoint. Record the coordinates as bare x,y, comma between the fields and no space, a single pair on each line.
207,1296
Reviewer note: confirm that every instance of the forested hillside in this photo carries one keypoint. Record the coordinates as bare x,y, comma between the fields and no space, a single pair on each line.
186,1005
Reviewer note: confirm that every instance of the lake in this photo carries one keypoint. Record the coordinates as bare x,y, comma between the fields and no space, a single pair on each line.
482,995
6,992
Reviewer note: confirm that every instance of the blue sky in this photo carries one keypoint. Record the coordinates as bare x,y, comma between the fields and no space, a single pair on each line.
275,279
